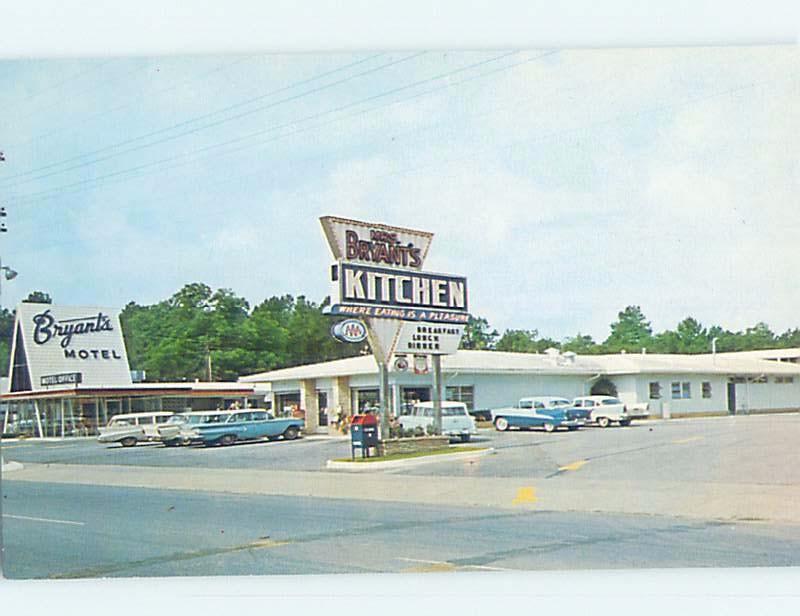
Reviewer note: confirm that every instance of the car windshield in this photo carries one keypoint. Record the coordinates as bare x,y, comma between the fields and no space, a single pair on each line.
177,419
611,401
558,403
453,411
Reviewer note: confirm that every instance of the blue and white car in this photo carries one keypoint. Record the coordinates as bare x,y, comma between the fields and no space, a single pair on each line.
546,412
246,425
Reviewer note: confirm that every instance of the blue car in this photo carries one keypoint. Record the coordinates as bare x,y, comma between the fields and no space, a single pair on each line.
246,425
545,412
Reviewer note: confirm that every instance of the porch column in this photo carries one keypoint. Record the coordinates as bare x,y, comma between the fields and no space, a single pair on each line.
310,404
340,395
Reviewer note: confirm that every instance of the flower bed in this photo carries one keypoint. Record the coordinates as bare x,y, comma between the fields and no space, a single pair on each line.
417,444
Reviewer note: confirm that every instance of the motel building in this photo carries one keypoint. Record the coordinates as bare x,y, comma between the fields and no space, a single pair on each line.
69,374
672,385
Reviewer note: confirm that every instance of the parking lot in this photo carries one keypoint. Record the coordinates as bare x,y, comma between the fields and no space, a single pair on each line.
701,492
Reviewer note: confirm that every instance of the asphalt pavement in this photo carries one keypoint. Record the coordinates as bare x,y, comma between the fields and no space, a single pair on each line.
68,531
682,493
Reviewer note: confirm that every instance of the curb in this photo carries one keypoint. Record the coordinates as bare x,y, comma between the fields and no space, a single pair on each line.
11,466
362,467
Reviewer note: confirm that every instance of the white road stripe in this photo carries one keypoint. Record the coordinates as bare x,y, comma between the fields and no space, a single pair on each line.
25,517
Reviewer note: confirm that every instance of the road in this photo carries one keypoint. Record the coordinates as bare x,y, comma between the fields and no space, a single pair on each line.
704,492
102,531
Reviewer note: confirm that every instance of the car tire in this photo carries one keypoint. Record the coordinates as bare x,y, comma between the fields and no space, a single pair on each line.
172,443
548,427
501,424
625,422
128,441
572,428
603,422
228,439
291,433
465,438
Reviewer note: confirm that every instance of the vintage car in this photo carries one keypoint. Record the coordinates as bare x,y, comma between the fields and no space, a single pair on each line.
547,412
132,428
603,410
175,431
245,425
456,421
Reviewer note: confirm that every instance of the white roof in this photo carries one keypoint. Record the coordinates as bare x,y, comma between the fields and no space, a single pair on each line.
792,353
496,362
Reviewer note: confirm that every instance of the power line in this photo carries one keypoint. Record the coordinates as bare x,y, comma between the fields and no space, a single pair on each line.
271,129
200,118
129,101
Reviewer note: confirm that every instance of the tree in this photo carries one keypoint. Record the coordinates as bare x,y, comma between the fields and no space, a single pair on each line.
38,297
582,344
689,337
630,332
477,335
518,341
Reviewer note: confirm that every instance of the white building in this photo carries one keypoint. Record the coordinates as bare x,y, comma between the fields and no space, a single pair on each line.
673,385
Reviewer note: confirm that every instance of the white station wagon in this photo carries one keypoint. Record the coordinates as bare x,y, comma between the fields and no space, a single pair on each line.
456,421
132,428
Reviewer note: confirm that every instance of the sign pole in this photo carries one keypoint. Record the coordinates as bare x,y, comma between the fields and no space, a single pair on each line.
437,393
383,377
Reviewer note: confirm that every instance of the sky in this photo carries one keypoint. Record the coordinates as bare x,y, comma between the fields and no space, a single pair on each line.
564,184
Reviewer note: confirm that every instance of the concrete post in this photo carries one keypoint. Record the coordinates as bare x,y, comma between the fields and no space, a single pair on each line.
309,403
437,393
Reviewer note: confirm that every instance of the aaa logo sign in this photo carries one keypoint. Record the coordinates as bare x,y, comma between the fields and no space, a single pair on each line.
350,330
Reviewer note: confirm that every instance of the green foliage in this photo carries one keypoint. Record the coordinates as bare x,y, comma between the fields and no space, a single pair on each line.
630,332
478,335
581,344
178,338
38,297
525,341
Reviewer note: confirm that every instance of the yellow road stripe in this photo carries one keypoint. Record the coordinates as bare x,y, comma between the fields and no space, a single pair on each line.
691,439
525,495
573,466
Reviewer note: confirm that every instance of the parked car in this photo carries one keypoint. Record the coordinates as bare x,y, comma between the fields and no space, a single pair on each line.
176,430
482,414
131,428
603,410
246,425
456,421
640,410
547,412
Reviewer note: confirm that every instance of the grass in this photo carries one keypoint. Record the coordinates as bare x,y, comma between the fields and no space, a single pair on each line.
417,454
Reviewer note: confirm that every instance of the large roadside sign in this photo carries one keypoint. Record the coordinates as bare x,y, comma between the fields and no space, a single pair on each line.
378,278
67,345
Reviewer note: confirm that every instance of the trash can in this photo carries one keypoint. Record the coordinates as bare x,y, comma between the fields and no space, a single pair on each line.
363,434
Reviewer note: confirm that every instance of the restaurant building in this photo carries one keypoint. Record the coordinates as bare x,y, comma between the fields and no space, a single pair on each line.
671,385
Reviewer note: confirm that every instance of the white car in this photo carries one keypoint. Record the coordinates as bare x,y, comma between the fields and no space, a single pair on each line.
603,410
456,421
132,428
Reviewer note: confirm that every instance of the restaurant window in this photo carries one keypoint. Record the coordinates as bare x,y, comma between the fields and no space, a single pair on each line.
655,390
681,390
706,389
462,393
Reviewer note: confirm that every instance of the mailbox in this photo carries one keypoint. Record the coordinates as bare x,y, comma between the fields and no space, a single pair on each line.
363,434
